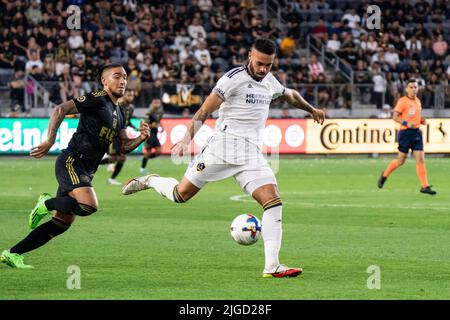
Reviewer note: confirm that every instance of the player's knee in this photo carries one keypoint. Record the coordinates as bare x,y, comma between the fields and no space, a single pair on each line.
401,162
84,210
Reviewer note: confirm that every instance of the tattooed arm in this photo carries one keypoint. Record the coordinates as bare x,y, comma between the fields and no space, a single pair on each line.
294,98
58,115
212,103
128,145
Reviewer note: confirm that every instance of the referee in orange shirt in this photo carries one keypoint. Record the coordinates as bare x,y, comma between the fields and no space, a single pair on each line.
407,112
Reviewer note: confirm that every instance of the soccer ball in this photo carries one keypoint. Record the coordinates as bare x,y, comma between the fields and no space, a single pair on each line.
246,229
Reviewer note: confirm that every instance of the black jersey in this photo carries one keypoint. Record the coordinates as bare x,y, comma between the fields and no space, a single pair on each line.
154,118
128,111
99,126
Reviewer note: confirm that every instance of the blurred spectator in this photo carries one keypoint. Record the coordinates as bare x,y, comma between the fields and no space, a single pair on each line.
320,30
391,58
385,112
133,45
352,18
440,47
34,13
202,54
75,40
379,89
34,61
315,67
17,85
195,29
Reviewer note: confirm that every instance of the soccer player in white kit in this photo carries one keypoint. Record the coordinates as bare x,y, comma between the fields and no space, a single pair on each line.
243,96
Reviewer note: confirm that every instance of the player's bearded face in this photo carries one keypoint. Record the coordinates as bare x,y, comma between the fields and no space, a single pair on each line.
260,63
115,81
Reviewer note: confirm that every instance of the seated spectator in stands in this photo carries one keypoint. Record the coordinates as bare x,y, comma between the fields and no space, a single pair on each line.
20,40
315,67
134,81
146,69
421,10
334,43
34,61
133,45
206,76
414,46
323,89
189,70
240,58
320,30
49,69
440,47
303,67
169,70
219,19
185,52
195,29
348,50
33,46
379,58
430,91
75,40
181,39
438,67
7,56
287,46
17,93
391,57
386,112
420,31
352,17
34,13
336,27
371,45
202,55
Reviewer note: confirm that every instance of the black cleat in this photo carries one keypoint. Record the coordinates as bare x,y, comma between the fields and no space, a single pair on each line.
428,190
381,180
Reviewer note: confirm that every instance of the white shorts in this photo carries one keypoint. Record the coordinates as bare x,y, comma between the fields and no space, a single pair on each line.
206,167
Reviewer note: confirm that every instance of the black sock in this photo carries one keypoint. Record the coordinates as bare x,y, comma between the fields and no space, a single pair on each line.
144,162
41,235
66,204
105,161
117,169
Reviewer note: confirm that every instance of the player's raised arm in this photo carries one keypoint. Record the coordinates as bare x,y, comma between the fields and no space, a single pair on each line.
211,104
127,145
58,115
294,98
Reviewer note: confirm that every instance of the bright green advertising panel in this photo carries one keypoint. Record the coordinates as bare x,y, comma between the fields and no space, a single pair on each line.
19,135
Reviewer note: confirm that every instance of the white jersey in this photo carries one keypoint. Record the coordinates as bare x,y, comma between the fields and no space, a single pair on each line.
245,109
246,101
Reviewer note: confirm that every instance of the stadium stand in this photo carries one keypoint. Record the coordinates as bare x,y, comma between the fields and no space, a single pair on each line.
178,49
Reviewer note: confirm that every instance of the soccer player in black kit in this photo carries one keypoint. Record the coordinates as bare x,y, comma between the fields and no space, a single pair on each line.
115,157
102,121
153,118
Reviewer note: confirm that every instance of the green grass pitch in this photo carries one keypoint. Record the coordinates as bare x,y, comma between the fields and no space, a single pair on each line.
336,224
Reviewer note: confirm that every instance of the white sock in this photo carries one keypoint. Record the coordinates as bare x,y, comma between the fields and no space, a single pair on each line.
271,233
164,186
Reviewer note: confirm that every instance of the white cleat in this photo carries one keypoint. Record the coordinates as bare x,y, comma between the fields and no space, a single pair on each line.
113,182
143,171
138,184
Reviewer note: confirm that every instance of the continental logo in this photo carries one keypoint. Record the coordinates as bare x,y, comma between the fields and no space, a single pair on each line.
334,135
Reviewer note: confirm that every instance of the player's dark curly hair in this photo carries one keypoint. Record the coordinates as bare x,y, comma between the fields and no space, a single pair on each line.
265,46
104,68
411,80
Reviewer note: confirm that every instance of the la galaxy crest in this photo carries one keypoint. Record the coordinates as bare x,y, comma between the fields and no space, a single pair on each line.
200,166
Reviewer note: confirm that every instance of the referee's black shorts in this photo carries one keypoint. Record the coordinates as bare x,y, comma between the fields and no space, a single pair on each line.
410,139
71,173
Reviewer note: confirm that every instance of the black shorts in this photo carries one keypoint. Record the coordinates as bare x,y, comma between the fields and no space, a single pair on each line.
410,139
71,173
152,142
